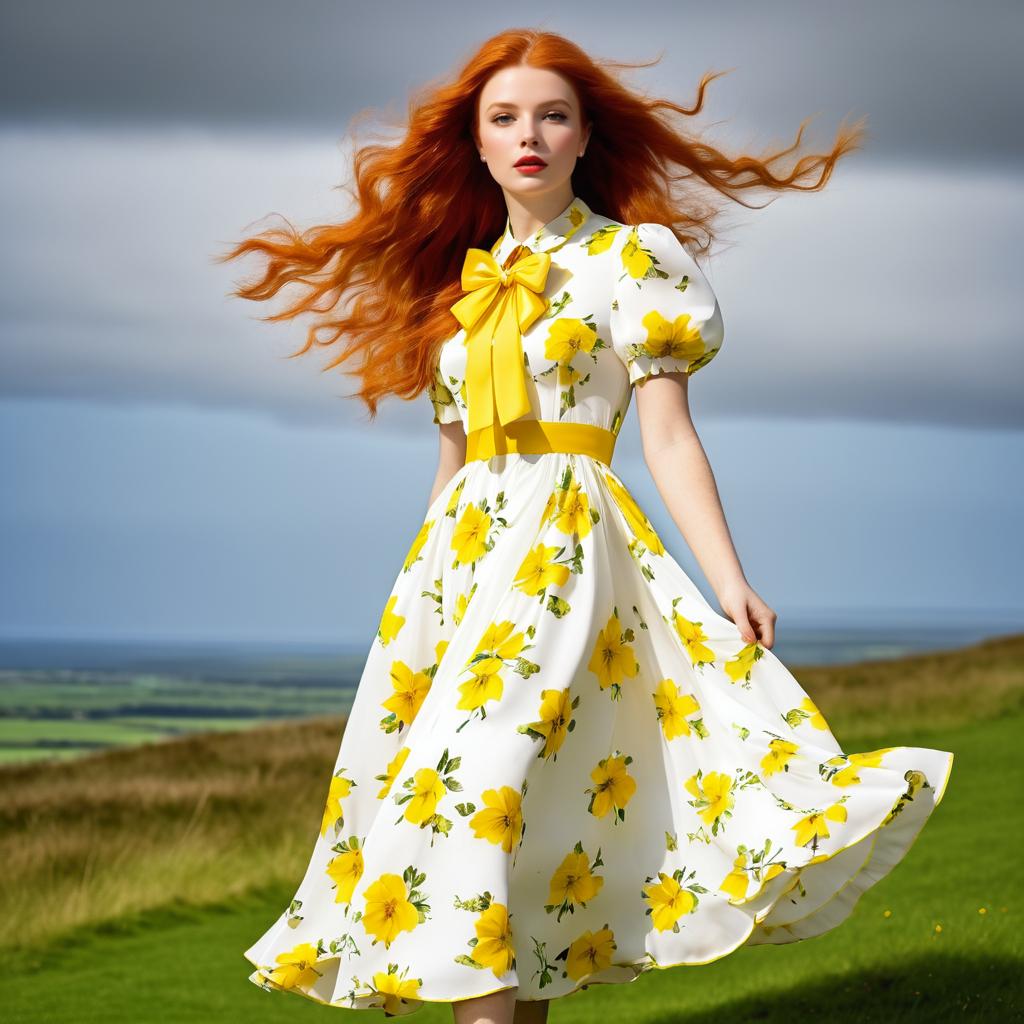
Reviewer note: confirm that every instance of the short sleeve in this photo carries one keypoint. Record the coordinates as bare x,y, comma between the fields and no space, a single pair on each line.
664,315
445,409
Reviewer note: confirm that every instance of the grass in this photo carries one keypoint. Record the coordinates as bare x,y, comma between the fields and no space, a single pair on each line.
134,879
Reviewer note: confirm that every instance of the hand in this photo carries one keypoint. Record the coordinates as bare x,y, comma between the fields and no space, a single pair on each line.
753,618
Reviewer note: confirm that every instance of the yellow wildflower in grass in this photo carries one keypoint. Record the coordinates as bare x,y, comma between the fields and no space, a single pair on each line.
780,753
736,883
815,825
568,336
394,989
573,511
636,260
590,953
500,821
555,722
739,666
388,910
573,882
692,637
539,570
486,684
469,538
714,795
613,659
494,940
634,516
427,790
333,814
677,339
394,767
417,545
295,968
390,623
668,901
410,690
672,708
345,870
613,787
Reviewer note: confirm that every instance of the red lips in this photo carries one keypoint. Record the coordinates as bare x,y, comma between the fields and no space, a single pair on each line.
530,161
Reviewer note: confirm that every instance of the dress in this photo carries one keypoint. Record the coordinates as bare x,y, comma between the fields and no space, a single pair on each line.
562,767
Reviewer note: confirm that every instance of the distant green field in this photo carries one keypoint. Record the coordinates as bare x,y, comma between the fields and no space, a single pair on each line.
948,950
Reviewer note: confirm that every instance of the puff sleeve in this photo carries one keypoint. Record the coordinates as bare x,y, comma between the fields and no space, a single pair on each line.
664,315
445,409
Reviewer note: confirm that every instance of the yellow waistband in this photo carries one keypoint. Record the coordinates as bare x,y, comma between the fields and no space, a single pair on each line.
538,437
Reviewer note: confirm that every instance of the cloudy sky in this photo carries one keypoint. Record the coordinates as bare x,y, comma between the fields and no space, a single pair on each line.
166,470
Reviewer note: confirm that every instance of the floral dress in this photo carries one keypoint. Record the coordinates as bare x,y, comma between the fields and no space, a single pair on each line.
562,767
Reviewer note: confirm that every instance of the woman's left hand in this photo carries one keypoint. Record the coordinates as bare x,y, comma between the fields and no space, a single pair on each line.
752,616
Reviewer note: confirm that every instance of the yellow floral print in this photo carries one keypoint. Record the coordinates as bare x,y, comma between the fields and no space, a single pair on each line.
637,261
295,967
417,545
613,787
423,792
469,539
574,514
333,814
613,659
850,774
389,908
427,790
501,819
740,665
394,767
807,711
601,240
390,623
673,707
590,953
556,721
567,337
815,825
692,637
677,339
395,989
780,753
346,869
410,690
635,518
668,902
574,882
493,946
714,796
540,570
486,684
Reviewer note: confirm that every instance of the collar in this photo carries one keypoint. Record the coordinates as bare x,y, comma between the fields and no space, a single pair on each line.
548,237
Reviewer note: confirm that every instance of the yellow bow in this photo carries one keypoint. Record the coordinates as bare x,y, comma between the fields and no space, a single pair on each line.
499,307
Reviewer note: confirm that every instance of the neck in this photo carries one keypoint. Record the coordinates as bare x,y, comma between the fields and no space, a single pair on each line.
527,215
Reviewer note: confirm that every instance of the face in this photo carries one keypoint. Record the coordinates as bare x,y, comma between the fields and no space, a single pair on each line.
526,111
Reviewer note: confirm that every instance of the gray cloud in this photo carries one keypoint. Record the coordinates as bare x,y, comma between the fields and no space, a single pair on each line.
938,80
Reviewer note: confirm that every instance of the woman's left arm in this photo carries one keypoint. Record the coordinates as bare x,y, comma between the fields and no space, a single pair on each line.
681,471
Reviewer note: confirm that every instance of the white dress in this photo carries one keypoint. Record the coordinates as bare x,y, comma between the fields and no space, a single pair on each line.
562,766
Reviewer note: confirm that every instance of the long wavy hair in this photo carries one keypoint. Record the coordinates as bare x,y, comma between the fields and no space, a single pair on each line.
384,279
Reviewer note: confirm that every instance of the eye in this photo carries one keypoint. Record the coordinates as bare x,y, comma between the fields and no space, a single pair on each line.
550,113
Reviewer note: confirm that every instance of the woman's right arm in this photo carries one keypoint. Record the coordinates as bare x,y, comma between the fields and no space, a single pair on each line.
451,455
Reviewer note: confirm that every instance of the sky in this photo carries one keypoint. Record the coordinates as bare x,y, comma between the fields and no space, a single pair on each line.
166,471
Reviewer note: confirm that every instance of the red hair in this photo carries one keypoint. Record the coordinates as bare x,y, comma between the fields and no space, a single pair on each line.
422,201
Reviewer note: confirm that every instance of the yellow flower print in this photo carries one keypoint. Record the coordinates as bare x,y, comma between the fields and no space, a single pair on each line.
500,821
740,665
780,753
736,883
453,500
493,946
486,684
668,902
549,508
540,571
635,518
574,882
469,538
637,261
673,707
815,826
676,339
417,545
613,787
850,774
390,906
427,790
590,953
394,767
613,659
714,796
295,968
807,711
501,640
346,869
568,336
410,690
574,514
692,637
395,988
390,623
601,240
555,722
333,814
461,604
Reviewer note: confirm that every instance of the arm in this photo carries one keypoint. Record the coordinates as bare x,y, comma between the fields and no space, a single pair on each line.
681,471
451,455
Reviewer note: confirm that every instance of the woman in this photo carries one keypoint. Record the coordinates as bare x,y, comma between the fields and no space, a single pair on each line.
562,766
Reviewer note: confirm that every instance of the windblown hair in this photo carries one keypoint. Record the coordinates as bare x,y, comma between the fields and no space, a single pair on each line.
422,201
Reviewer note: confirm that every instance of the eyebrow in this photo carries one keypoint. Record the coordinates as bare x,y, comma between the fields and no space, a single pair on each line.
546,103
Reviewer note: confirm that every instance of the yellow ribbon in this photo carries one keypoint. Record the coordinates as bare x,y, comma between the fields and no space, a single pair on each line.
498,307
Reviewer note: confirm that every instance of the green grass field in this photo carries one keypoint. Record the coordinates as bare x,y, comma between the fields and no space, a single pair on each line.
133,883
